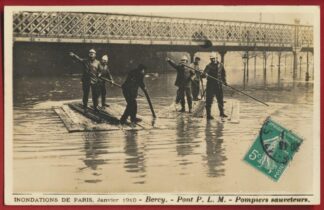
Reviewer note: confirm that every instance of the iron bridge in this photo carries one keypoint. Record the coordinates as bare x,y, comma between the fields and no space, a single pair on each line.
74,27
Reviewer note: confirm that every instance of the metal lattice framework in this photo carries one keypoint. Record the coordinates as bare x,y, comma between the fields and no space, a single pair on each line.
135,29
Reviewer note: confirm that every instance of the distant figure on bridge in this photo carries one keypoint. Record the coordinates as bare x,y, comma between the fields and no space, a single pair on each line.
216,77
195,85
89,77
183,82
104,72
134,80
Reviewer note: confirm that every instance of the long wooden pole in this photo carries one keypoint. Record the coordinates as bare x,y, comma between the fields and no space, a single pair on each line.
149,102
230,86
111,82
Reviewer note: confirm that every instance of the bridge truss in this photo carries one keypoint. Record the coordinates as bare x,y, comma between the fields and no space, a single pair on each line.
141,29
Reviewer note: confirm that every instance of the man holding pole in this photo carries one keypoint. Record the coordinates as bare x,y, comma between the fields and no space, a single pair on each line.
216,77
214,87
89,77
134,80
183,82
104,73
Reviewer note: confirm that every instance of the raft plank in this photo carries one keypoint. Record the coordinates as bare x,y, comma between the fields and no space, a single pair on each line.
67,121
89,114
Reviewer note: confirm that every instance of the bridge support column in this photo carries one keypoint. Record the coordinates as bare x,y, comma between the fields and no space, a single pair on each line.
295,65
312,54
279,63
300,66
255,60
285,64
307,68
222,54
192,56
247,66
264,68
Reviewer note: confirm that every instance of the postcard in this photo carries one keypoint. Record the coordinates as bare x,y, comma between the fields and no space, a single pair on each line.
162,105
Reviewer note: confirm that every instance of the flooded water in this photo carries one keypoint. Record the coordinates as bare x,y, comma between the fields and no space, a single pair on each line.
192,155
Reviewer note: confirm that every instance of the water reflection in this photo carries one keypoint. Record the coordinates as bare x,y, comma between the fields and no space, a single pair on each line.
135,158
184,139
214,150
94,147
184,142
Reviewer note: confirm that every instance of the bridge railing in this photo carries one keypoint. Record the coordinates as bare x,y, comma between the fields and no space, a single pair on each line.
106,27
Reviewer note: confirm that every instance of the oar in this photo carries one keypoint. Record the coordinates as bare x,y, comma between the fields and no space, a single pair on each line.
118,85
149,102
229,86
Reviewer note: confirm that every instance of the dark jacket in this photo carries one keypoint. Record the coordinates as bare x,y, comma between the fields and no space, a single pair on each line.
134,80
91,70
184,75
216,70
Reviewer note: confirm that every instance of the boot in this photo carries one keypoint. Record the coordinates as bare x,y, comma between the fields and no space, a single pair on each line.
103,102
123,120
223,115
182,109
95,108
137,120
221,110
190,105
208,113
95,105
183,104
85,108
209,117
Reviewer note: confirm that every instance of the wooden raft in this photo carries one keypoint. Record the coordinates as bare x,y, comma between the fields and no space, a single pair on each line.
76,119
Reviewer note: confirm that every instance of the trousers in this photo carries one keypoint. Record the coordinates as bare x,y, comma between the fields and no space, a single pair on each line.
182,93
131,107
86,86
86,89
103,92
214,89
195,89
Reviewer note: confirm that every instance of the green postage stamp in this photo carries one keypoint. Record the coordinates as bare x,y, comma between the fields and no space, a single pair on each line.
273,149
